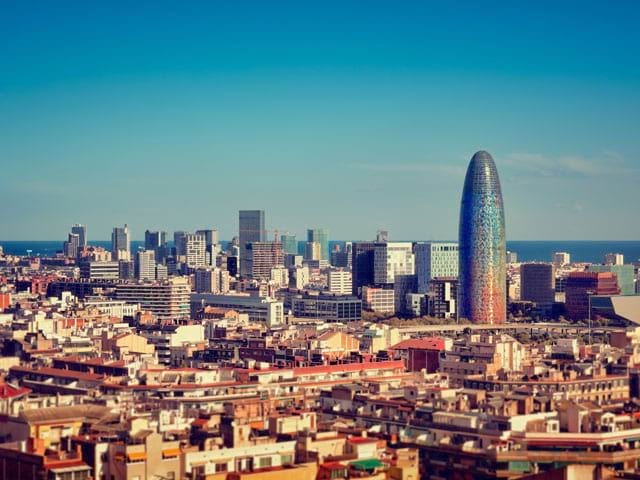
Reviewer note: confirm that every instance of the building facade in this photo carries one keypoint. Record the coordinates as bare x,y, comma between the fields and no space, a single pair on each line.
482,243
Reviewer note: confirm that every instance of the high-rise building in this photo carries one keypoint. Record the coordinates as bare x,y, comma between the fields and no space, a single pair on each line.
581,285
482,244
343,258
362,265
121,243
391,259
251,223
156,241
313,251
289,243
537,283
443,297
614,259
263,257
81,231
72,246
194,249
561,259
211,280
435,259
145,265
320,235
99,270
403,285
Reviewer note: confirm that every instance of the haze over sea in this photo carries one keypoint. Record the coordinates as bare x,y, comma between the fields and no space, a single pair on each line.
527,250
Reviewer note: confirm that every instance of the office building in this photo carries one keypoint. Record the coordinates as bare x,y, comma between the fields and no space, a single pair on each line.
583,285
262,257
614,259
343,258
320,235
482,244
442,297
339,282
289,244
362,265
81,231
251,229
435,259
624,273
338,308
191,249
145,265
378,299
71,247
121,243
156,241
403,285
168,300
560,259
211,280
313,251
537,283
99,270
391,259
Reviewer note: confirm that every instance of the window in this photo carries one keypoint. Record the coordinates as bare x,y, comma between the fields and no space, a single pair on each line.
264,462
287,459
221,467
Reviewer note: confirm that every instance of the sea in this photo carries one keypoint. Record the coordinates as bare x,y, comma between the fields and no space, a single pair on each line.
527,250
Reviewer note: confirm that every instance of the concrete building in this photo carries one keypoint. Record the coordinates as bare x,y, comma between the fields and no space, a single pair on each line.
289,244
614,259
435,259
537,283
145,265
391,259
442,297
339,282
403,285
262,257
561,259
211,280
259,309
168,300
378,299
192,249
100,270
332,308
71,247
280,276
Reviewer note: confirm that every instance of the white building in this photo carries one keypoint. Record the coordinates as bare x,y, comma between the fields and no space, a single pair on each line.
561,259
339,281
435,259
391,259
300,277
614,259
280,276
146,265
192,248
378,299
211,280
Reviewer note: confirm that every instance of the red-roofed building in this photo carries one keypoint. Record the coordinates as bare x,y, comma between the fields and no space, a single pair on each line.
420,353
8,395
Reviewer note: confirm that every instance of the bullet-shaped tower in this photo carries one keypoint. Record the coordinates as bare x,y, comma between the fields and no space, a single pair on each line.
482,249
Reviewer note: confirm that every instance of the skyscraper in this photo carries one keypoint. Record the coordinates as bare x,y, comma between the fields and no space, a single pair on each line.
251,229
320,235
482,244
289,243
120,243
81,231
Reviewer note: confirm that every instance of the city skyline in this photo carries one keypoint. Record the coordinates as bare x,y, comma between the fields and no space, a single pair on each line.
363,107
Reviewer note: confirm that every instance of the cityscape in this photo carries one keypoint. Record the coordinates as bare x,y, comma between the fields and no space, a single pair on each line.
405,335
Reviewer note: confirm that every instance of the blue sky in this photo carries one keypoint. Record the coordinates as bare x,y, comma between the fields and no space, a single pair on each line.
352,116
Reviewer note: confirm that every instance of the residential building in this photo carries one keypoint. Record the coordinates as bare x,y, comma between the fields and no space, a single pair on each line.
339,282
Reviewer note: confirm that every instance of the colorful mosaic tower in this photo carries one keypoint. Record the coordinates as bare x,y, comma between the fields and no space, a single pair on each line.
483,284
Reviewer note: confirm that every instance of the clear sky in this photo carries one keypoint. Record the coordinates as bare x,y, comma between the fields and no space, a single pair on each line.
352,116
